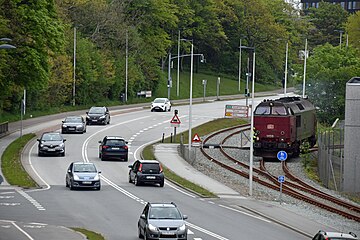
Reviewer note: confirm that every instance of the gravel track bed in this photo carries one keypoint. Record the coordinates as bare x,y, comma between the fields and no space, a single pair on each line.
241,184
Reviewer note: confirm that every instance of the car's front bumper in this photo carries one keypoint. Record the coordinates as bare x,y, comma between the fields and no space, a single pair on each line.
51,151
86,184
70,129
178,235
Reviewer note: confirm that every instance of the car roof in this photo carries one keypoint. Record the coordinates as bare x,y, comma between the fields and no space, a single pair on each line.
148,161
114,137
73,116
339,235
51,133
163,205
83,163
160,99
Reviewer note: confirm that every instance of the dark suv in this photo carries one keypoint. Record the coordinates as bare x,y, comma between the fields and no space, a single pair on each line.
113,147
322,235
98,115
146,171
162,221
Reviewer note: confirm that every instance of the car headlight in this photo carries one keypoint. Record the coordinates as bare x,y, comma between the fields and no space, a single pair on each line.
61,145
102,117
87,117
97,177
182,227
76,177
64,126
41,145
152,228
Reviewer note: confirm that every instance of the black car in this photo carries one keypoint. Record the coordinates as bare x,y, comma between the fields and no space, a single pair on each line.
82,175
146,171
51,143
98,115
162,221
73,124
113,147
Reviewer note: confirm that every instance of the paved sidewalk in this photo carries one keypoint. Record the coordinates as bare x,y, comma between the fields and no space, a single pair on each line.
168,155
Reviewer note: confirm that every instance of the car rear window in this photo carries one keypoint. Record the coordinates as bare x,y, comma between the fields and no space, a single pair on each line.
150,168
115,142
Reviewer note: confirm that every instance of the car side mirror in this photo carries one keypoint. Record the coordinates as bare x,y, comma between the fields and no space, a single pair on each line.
38,139
64,140
87,112
99,171
185,217
99,141
63,121
126,142
142,216
130,166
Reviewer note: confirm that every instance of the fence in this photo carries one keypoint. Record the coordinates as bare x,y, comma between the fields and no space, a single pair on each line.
331,158
4,127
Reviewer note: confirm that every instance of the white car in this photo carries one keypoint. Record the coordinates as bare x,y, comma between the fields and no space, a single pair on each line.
161,104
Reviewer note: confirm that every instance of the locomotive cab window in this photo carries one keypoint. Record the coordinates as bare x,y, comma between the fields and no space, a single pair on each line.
278,110
261,110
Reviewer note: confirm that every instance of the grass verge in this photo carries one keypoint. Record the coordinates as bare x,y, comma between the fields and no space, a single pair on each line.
89,234
11,165
202,130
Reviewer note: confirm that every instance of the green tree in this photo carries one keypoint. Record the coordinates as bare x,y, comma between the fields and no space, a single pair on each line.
353,29
328,70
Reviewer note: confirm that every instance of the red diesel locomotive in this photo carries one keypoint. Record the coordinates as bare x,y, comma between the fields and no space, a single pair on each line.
283,124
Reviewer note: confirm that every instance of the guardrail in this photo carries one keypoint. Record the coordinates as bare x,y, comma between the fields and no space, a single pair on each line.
4,127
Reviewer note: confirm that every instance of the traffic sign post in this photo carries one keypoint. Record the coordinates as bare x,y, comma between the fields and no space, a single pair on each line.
281,179
282,155
175,122
196,140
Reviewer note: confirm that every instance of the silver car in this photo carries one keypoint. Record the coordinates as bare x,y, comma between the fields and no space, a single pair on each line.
73,124
162,221
82,175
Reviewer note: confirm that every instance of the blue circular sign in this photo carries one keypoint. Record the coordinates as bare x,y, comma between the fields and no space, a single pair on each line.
281,178
282,155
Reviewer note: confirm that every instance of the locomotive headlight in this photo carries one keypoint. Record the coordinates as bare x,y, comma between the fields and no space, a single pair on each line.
282,140
282,133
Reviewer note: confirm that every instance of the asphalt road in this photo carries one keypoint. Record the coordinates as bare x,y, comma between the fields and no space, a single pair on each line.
115,209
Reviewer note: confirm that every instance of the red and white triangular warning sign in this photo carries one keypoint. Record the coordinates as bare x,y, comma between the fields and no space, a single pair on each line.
196,138
175,119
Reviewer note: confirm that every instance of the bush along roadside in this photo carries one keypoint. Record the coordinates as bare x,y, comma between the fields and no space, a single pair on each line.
11,166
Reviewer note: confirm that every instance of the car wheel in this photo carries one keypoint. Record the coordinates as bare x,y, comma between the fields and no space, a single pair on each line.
169,109
139,233
102,158
162,184
63,154
66,183
130,179
126,159
98,188
99,155
39,154
151,110
145,235
165,109
71,185
136,181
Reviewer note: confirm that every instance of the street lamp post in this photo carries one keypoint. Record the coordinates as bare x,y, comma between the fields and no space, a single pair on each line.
190,105
178,68
286,67
341,32
239,64
74,73
304,77
252,120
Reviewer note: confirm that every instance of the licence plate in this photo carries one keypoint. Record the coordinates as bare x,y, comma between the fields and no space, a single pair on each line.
51,150
150,177
167,233
71,128
86,182
115,148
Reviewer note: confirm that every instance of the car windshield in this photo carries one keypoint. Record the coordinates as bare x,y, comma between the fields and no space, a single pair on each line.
97,110
164,213
73,120
51,137
159,100
84,168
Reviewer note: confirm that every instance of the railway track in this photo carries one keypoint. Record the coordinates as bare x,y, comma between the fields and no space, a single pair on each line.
293,186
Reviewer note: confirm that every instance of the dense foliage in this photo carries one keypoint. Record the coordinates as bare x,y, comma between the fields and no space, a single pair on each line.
142,33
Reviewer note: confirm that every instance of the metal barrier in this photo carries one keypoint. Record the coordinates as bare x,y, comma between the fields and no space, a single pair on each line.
331,158
4,127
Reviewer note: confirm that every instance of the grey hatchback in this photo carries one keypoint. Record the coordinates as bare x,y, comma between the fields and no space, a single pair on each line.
146,171
51,143
162,221
82,175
